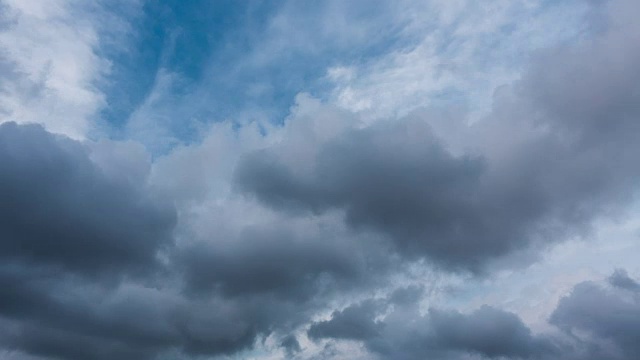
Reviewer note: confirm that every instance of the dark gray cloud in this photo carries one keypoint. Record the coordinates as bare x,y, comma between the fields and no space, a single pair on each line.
60,210
621,279
596,321
394,178
558,150
278,277
291,345
90,269
353,323
488,331
606,318
267,260
68,230
129,322
81,249
405,334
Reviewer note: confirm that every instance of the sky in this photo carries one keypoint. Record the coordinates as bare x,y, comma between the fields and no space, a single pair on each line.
321,179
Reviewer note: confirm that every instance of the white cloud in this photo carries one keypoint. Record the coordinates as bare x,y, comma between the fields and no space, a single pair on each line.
49,63
458,53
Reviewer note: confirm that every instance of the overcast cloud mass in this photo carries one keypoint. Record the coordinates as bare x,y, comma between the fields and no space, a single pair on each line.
260,180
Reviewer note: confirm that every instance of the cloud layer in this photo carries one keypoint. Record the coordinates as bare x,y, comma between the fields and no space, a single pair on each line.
338,231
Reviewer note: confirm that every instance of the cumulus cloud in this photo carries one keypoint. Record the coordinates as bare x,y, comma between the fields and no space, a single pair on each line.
64,225
604,319
92,268
593,321
87,270
538,168
396,178
61,210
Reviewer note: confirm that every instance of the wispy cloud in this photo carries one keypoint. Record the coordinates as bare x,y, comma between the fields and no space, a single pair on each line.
52,66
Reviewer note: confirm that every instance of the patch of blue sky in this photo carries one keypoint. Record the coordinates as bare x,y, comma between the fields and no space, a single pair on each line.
289,52
231,60
173,35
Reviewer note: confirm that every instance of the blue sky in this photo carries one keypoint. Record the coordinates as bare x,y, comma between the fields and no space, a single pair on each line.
218,51
447,179
229,61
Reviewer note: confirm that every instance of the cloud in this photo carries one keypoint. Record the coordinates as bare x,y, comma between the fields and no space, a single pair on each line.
594,321
353,323
605,318
61,210
452,53
621,279
405,334
277,261
87,271
81,320
89,267
248,66
71,234
396,178
490,332
51,63
538,168
291,345
329,235
92,268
